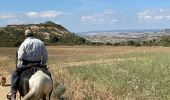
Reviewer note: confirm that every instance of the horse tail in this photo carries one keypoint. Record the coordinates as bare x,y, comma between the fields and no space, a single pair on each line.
40,84
29,95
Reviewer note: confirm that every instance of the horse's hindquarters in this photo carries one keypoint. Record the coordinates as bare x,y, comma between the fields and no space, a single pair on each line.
35,78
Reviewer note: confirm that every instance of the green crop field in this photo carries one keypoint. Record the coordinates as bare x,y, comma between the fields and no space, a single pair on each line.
105,72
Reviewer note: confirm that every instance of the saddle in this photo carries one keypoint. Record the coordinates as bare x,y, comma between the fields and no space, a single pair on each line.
29,66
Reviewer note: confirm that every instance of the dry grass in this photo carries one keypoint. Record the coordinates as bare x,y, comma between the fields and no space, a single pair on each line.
78,87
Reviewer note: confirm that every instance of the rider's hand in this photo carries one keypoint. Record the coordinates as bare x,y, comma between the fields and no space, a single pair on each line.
18,70
29,65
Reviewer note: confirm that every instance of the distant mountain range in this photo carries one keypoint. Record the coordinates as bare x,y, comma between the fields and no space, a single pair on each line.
106,32
116,36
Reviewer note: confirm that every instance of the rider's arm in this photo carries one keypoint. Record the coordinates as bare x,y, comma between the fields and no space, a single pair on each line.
45,55
21,55
19,63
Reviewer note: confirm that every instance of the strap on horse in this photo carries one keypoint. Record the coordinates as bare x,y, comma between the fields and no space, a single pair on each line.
30,64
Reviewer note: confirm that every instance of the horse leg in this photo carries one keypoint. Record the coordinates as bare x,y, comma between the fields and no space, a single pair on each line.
19,97
44,98
47,97
50,94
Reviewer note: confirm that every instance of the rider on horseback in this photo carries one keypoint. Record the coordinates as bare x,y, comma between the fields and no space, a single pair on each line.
31,52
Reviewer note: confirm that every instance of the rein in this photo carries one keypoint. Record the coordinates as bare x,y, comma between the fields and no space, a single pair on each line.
34,69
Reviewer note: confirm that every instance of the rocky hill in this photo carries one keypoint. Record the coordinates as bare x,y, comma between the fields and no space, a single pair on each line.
49,32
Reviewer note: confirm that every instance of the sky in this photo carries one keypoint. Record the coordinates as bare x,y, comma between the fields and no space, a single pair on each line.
88,15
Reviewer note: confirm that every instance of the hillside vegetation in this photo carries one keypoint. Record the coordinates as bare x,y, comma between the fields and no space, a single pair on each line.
49,32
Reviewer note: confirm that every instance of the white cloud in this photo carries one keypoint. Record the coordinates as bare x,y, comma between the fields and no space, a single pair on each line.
154,15
108,11
106,17
93,19
113,21
15,21
32,14
45,14
30,17
7,15
57,22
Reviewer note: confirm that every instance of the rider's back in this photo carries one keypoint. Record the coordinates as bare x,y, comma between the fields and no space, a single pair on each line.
32,49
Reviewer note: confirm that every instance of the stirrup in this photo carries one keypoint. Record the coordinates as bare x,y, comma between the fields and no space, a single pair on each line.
9,96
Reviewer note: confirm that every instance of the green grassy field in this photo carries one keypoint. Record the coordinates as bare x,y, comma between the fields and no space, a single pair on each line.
106,73
143,77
